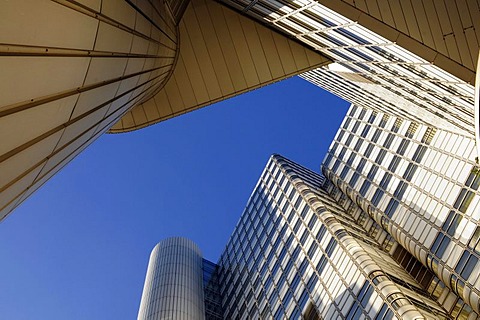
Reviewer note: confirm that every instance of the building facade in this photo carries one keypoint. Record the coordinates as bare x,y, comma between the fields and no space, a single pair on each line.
421,185
309,246
414,55
174,282
130,64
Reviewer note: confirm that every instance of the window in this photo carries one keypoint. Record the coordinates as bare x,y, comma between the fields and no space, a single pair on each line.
428,136
304,211
376,135
451,223
384,120
385,181
381,156
369,150
354,179
321,233
311,314
303,266
363,297
295,282
396,125
297,203
474,242
365,131
466,264
303,299
372,173
351,157
473,180
361,165
391,207
330,247
384,313
313,248
304,237
463,200
388,140
349,139
440,244
355,126
288,297
410,171
358,144
394,163
312,282
295,253
321,264
341,155
403,147
419,153
364,188
312,221
344,172
297,225
279,314
377,196
411,130
400,190
295,314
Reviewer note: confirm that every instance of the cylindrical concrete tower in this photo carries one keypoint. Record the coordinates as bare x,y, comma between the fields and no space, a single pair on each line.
174,283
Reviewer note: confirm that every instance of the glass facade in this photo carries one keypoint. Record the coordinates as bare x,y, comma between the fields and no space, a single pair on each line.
420,184
309,246
370,69
174,282
302,248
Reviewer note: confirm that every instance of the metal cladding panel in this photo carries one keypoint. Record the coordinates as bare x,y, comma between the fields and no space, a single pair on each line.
174,282
421,51
448,27
69,71
222,54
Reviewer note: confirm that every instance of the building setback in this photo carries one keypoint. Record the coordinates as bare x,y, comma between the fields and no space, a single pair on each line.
312,246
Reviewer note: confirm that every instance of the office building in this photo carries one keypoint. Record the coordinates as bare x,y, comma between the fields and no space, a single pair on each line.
408,58
174,283
180,284
421,185
391,229
309,246
125,65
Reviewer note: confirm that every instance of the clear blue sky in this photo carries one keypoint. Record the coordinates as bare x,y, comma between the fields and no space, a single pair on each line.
79,247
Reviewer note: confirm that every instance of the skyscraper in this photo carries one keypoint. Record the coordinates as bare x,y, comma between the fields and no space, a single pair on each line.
421,185
400,182
328,247
174,283
130,64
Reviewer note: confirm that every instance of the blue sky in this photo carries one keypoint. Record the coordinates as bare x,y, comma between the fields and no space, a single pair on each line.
79,247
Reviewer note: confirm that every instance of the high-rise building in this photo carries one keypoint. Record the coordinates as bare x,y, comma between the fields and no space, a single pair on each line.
130,64
391,228
174,283
421,185
309,246
180,284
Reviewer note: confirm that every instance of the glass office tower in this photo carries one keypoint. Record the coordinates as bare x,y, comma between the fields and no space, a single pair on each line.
174,282
421,185
309,246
